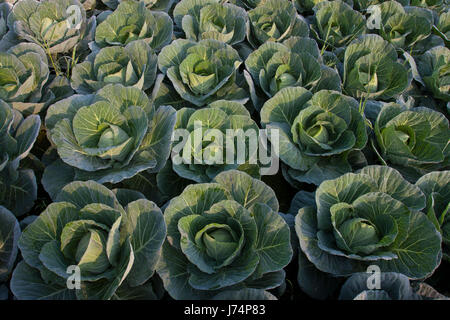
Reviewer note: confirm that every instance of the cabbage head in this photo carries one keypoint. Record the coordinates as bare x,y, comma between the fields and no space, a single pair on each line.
133,21
45,23
108,136
23,74
371,69
212,150
221,236
337,24
369,218
18,188
404,27
113,239
393,286
275,20
134,65
202,72
415,139
434,69
436,187
316,132
274,66
210,19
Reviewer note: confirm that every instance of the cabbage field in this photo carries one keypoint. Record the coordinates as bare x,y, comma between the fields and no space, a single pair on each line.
224,149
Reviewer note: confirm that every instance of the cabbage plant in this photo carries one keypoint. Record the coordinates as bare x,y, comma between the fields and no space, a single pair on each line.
436,187
404,27
317,132
224,235
108,136
369,218
134,65
337,24
210,19
393,286
274,66
112,238
24,72
371,69
46,23
415,139
154,5
7,37
206,158
202,72
275,20
9,238
133,21
434,69
18,188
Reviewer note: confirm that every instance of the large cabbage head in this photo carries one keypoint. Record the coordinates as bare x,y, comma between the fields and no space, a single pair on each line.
110,135
337,24
316,132
18,188
202,72
133,21
23,74
219,135
404,27
134,65
9,238
274,66
275,20
210,19
416,139
47,23
224,235
111,239
369,218
434,69
436,187
371,69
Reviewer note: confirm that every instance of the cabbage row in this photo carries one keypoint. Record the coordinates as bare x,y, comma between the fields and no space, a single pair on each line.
116,181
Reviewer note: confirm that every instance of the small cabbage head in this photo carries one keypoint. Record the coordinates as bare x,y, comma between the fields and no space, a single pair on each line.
369,218
112,239
371,69
210,19
23,74
108,136
9,238
18,188
203,154
133,21
434,69
275,20
202,72
337,24
134,65
415,139
221,236
436,187
47,23
316,132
